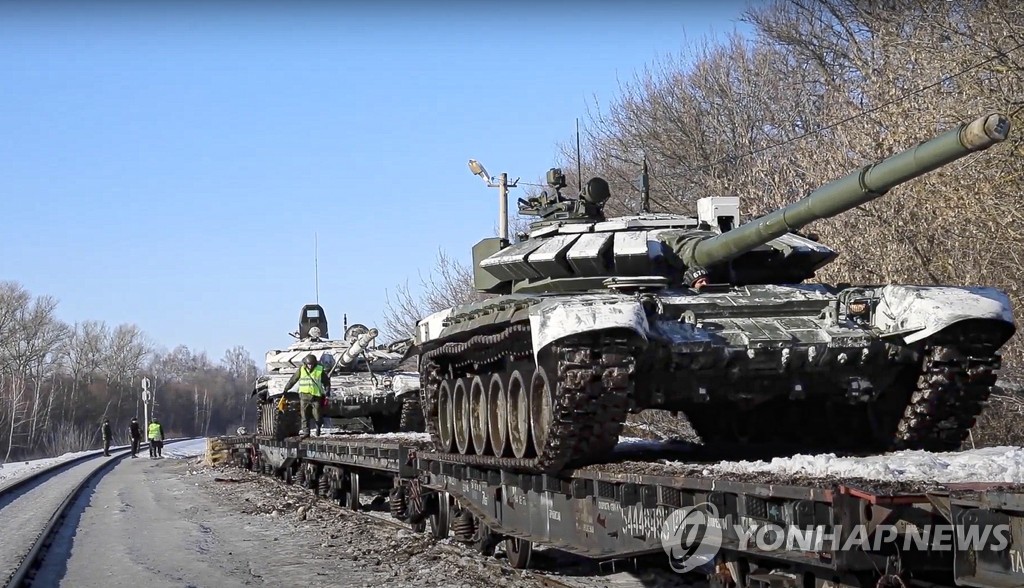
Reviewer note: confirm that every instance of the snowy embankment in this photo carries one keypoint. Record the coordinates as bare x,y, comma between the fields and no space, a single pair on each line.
16,469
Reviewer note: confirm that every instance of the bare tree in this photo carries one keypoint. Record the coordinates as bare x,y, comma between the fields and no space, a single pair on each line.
58,381
449,284
33,334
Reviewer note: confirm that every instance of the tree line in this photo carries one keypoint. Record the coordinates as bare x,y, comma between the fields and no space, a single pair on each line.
58,381
821,88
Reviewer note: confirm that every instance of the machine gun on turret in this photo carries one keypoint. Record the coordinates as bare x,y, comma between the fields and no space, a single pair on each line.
552,205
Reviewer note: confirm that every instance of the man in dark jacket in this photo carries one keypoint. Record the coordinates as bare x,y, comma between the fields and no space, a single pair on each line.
135,434
314,387
107,434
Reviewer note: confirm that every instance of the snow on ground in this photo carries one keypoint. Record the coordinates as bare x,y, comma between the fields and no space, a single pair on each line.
182,449
991,464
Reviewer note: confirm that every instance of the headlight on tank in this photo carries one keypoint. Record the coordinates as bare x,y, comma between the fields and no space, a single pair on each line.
856,304
857,308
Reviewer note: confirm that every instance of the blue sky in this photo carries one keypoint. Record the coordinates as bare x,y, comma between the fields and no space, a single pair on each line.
168,165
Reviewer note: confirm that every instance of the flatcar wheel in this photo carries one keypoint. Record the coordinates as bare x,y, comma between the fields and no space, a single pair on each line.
541,404
497,416
338,491
519,552
478,415
444,416
440,521
519,414
485,541
460,416
353,491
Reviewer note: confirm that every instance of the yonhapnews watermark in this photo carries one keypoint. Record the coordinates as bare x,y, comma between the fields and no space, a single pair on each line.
693,536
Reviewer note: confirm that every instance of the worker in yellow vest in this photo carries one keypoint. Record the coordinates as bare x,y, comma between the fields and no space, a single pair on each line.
314,386
156,439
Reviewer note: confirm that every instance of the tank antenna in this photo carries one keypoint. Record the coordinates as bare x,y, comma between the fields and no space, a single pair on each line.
316,270
579,164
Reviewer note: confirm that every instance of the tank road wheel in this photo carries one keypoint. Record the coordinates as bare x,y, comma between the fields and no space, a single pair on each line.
460,416
519,414
519,552
444,416
478,415
541,406
497,416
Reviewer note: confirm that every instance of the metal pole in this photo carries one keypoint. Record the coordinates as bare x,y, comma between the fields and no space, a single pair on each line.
645,187
503,206
146,394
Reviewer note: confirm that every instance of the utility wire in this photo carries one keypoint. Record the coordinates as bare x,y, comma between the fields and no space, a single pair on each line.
897,100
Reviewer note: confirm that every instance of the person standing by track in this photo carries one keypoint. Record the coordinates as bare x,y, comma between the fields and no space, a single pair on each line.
107,434
135,434
156,439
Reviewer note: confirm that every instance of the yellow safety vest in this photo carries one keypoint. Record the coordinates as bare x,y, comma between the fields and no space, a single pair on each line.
154,431
309,382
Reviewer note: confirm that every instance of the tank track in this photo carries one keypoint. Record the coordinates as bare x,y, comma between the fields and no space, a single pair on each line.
592,390
274,423
412,417
952,388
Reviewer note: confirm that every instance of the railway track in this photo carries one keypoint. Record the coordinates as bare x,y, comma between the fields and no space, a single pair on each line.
33,508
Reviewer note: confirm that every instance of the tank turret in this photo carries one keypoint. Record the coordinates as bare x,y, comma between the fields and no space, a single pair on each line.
591,317
362,375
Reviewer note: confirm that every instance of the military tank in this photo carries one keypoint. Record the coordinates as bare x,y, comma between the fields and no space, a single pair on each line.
367,382
588,318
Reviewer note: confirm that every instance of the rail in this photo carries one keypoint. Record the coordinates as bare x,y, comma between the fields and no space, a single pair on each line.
24,574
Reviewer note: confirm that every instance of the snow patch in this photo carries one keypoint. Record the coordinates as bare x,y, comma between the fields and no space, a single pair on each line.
183,449
988,465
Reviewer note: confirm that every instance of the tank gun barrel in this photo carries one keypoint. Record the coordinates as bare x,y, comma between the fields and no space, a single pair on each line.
857,188
357,347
